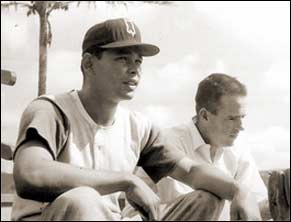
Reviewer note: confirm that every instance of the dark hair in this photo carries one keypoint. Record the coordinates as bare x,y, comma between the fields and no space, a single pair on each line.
95,50
212,88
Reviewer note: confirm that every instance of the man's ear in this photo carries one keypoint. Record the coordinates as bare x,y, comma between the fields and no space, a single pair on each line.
87,61
203,114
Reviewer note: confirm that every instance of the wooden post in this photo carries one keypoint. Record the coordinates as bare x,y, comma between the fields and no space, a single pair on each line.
8,77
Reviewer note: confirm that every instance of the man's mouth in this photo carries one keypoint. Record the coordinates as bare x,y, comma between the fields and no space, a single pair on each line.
234,135
130,84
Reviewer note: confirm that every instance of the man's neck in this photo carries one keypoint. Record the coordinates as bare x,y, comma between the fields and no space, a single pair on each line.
203,132
213,151
102,111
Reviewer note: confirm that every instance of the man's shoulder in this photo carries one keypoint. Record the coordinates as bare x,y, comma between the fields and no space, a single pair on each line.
44,102
177,137
44,105
56,98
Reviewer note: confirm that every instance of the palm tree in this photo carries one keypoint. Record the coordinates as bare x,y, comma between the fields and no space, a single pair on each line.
43,9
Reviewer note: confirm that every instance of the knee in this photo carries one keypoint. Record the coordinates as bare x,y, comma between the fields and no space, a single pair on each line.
206,199
77,204
80,197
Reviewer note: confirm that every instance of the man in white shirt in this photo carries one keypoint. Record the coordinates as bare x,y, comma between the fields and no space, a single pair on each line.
209,139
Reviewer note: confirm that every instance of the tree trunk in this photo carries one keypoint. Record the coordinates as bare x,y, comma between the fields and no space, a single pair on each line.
43,33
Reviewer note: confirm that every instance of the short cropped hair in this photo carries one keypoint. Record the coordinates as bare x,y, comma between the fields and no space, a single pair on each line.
96,51
212,88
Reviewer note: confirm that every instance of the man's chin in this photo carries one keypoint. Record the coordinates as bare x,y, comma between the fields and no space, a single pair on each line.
127,96
229,143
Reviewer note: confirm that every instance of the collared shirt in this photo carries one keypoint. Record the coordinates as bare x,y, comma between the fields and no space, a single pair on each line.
74,138
235,161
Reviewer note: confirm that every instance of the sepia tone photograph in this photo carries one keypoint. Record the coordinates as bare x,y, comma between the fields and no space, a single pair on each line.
145,110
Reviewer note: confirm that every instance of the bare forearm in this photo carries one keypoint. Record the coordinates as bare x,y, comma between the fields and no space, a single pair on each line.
213,180
53,178
38,177
206,177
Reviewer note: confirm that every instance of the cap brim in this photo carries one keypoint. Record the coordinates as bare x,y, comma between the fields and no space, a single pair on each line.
144,48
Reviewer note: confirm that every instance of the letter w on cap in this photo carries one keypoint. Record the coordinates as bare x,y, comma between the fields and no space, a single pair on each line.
130,27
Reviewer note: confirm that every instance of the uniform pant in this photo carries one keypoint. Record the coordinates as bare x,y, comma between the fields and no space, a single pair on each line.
85,204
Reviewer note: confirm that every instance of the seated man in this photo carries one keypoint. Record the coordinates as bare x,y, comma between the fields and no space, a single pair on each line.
209,139
77,151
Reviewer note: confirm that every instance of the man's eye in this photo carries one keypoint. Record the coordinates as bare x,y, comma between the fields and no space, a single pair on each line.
122,59
139,62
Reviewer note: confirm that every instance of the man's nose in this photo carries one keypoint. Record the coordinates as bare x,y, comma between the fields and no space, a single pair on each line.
133,71
133,68
240,124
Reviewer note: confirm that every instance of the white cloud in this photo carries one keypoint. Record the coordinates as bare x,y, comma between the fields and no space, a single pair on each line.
166,116
274,138
252,22
64,71
179,73
19,34
278,77
270,147
220,67
159,114
171,79
14,32
272,160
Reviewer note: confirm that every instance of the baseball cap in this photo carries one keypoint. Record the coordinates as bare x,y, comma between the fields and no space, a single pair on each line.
117,33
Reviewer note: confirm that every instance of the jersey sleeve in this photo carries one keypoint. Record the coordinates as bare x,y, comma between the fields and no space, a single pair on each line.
43,120
157,158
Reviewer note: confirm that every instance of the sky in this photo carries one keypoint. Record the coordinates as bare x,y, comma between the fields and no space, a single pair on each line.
248,40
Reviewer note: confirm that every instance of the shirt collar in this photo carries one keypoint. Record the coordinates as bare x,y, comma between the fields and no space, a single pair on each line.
197,139
86,115
199,144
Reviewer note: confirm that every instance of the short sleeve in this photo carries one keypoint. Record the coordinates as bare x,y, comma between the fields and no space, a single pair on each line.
43,120
158,159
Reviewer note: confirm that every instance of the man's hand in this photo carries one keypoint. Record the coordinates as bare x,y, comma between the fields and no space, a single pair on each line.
142,198
244,206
